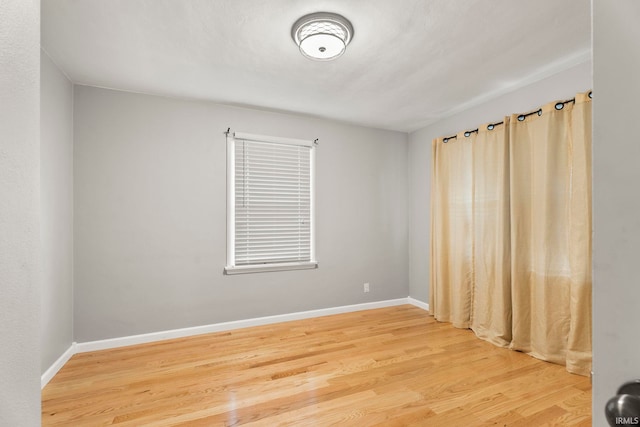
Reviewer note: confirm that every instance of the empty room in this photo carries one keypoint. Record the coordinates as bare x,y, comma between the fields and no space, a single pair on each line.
315,213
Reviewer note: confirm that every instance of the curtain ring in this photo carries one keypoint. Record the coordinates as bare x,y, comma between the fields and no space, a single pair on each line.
521,117
590,94
467,134
490,127
559,105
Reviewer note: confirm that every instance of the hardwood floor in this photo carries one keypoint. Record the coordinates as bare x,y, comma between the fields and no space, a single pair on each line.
394,366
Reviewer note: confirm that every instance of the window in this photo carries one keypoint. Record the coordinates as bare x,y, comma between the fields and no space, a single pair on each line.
270,204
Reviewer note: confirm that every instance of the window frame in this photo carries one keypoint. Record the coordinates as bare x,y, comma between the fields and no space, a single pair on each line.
231,267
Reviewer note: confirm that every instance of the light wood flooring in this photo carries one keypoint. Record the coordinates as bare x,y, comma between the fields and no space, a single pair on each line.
394,366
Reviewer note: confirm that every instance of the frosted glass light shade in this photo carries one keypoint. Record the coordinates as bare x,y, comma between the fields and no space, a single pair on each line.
322,46
322,36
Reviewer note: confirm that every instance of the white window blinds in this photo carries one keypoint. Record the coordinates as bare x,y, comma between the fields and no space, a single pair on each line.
272,186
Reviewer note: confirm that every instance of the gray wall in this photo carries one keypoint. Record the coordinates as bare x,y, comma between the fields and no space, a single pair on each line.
559,86
616,199
19,213
150,216
56,199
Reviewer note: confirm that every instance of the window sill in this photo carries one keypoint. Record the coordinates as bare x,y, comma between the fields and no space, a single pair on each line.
261,268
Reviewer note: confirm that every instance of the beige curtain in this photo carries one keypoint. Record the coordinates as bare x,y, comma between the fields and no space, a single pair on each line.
511,233
451,247
580,243
491,319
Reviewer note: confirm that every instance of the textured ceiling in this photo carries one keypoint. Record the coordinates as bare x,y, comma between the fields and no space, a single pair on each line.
410,63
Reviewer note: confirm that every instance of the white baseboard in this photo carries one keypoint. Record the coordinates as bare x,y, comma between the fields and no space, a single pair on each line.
57,365
227,326
418,303
216,327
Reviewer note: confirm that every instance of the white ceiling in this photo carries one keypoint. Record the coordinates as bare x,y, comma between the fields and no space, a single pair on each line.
411,62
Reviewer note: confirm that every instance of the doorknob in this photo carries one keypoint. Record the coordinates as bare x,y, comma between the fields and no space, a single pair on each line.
624,408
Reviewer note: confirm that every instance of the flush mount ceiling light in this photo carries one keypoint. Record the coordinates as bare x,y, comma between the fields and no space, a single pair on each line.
322,36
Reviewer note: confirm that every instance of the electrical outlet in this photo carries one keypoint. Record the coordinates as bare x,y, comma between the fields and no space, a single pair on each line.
366,287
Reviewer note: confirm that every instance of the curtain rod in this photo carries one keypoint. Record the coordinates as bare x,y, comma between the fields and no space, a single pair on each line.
559,106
